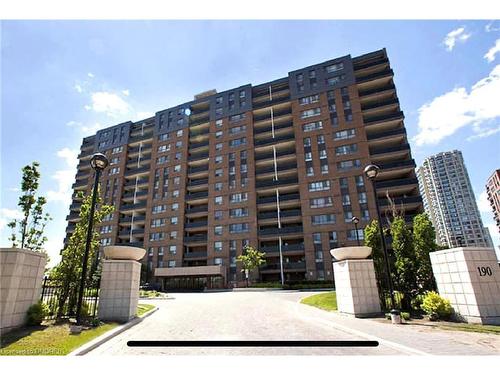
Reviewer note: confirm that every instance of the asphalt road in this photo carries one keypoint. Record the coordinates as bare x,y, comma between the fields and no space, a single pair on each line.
278,315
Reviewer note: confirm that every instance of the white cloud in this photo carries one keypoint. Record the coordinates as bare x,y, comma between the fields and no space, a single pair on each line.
90,75
458,108
78,88
490,55
489,27
65,177
91,129
14,189
87,107
144,115
483,203
483,133
109,103
126,92
7,215
454,36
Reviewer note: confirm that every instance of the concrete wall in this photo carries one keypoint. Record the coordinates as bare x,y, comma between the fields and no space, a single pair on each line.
470,278
356,288
21,274
119,292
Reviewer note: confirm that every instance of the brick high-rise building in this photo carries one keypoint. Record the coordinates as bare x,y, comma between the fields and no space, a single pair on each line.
450,201
493,191
198,181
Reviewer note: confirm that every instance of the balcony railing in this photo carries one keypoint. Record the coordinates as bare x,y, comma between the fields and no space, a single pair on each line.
133,206
274,214
196,238
135,171
390,133
286,125
202,168
275,114
267,155
398,182
400,200
283,198
370,77
197,195
80,183
135,160
398,164
196,224
195,254
286,266
280,138
282,167
128,219
137,194
267,103
137,138
271,183
371,63
203,155
283,230
379,104
202,181
284,248
386,150
199,121
140,181
377,90
133,150
192,146
389,117
135,232
196,209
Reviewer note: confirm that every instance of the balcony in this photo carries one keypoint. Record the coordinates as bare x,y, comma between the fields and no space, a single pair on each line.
401,201
80,184
284,230
195,254
73,217
388,89
202,181
386,134
266,129
133,206
135,194
134,150
286,266
196,224
387,150
196,238
197,195
135,232
276,139
199,121
379,104
197,209
370,64
128,219
284,248
201,156
138,160
267,116
398,164
267,103
281,168
138,138
202,168
75,206
273,183
195,145
384,118
274,214
137,171
283,198
387,73
267,155
140,181
396,183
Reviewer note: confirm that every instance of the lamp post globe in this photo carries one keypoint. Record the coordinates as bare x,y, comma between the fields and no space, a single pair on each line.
355,221
99,161
371,171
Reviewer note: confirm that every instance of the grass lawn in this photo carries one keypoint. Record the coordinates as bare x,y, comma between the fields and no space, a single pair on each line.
143,308
48,339
470,328
326,301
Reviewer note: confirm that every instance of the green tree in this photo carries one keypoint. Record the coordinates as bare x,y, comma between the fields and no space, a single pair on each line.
68,272
32,226
424,242
405,260
373,240
250,259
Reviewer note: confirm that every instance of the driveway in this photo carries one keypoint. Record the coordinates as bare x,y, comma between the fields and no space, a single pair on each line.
278,315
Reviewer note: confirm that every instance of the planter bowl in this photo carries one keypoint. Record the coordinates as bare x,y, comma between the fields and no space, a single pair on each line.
351,252
124,252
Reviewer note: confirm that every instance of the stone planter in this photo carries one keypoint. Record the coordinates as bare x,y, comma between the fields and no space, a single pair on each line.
124,253
74,329
351,252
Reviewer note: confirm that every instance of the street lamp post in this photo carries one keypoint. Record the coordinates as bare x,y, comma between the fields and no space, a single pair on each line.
371,171
355,221
98,162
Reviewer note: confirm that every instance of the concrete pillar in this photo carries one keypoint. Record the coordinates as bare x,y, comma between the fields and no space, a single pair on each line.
356,288
119,292
21,274
470,278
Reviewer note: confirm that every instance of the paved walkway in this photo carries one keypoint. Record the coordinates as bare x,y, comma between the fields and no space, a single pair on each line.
277,315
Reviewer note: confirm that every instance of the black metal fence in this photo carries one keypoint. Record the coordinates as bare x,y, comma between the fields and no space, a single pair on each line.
64,307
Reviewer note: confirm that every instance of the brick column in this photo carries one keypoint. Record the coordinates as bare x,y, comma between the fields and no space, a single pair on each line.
119,292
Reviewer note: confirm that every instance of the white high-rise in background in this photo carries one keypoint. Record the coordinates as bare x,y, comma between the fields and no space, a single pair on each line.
450,202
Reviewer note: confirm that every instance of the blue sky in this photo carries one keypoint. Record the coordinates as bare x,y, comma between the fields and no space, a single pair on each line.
63,80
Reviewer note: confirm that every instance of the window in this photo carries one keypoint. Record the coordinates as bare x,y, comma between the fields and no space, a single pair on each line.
219,172
238,142
218,200
106,229
345,134
218,246
310,113
324,168
319,256
157,223
238,197
178,144
173,235
238,117
177,180
218,215
321,202
160,250
238,212
163,137
231,156
238,228
178,156
359,181
156,236
218,100
171,264
105,241
179,133
346,149
218,230
317,238
218,261
243,168
114,161
172,249
175,194
308,156
173,220
309,99
346,200
218,111
237,129
163,148
348,216
219,133
108,217
116,150
162,159
114,170
307,142
323,219
159,208
351,235
362,198
219,159
322,154
175,206
333,237
319,185
219,186
320,139
309,170
348,164
334,67
312,126
218,146
334,80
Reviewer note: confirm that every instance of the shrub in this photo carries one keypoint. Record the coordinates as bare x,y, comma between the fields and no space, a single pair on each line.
405,315
436,306
37,313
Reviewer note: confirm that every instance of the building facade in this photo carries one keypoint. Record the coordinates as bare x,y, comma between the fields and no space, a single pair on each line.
450,202
493,191
197,182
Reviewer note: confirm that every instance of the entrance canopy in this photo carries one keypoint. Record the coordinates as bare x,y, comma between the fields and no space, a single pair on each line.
197,271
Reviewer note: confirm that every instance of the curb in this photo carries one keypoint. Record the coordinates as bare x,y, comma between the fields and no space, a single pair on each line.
91,345
282,290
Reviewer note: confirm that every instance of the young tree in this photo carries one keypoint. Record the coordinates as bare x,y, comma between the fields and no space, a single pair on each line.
68,272
424,242
405,262
32,225
373,240
250,259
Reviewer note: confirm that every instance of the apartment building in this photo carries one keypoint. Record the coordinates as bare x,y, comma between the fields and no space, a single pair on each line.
493,191
450,202
277,166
